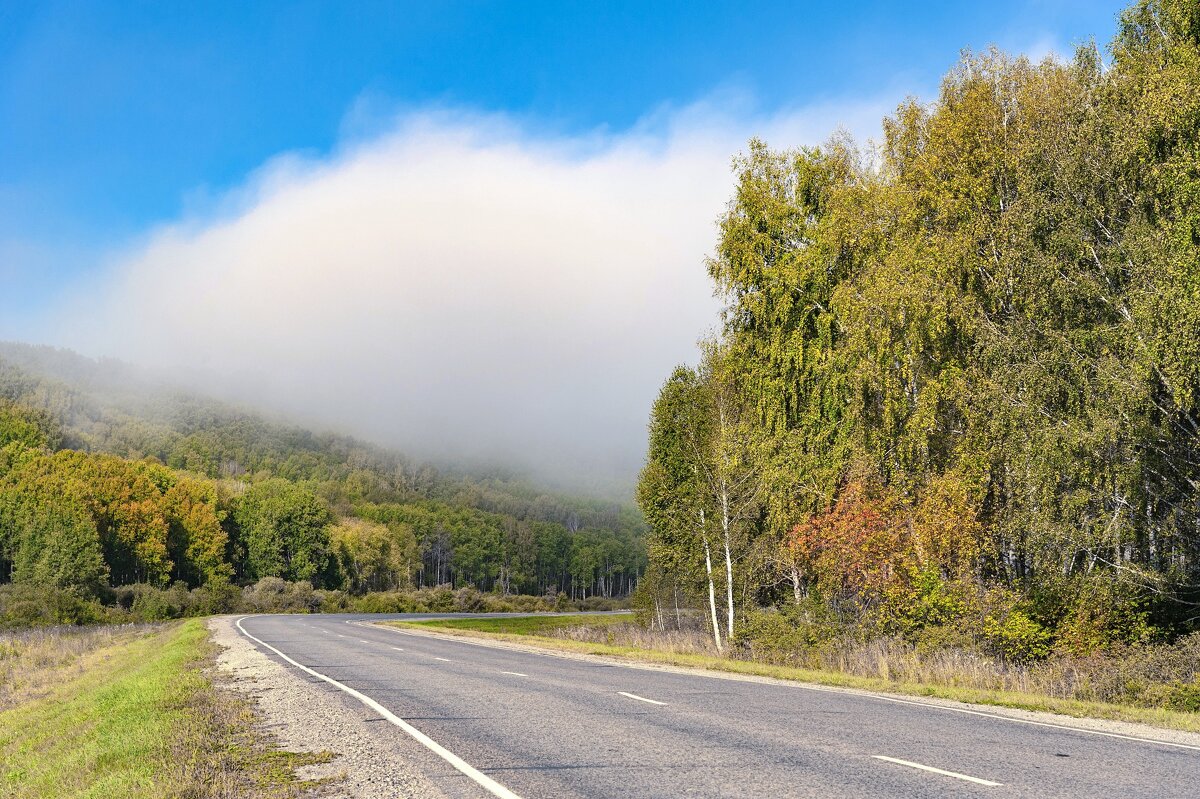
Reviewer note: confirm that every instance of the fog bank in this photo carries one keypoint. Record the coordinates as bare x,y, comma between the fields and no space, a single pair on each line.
454,285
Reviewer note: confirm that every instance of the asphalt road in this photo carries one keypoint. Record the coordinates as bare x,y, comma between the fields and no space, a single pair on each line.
545,726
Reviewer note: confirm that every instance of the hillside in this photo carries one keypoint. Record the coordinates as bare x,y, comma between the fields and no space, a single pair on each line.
151,483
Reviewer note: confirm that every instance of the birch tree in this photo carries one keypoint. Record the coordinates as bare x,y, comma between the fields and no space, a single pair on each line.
673,490
732,479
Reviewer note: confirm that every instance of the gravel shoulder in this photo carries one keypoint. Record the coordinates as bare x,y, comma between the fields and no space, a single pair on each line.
305,715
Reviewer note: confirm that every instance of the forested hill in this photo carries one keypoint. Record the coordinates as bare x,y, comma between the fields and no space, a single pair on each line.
123,479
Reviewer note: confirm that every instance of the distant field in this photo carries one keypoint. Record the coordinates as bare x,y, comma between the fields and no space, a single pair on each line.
127,713
528,625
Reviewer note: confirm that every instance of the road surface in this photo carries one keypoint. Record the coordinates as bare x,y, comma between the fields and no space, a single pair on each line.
497,722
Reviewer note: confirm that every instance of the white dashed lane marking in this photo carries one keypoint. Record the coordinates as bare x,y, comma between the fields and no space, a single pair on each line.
641,698
941,771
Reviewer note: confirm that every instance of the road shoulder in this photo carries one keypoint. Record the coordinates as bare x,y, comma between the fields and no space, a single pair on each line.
305,716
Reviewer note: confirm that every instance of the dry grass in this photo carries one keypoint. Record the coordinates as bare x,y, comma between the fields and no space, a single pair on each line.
1154,676
33,661
686,641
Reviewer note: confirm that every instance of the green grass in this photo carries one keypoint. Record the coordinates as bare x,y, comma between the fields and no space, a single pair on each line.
139,717
482,628
526,625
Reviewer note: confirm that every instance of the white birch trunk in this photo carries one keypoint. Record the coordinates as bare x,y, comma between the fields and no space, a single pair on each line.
712,589
712,596
725,534
794,574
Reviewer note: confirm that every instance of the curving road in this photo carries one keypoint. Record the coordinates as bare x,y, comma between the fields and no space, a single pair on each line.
487,722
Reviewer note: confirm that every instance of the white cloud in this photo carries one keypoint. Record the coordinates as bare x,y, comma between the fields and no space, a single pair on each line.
456,285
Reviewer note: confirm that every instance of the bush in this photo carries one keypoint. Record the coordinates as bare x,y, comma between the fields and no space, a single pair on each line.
960,635
929,602
153,604
274,595
521,603
385,602
1183,697
332,601
216,596
42,606
1017,637
437,600
469,600
786,636
1101,612
26,605
599,603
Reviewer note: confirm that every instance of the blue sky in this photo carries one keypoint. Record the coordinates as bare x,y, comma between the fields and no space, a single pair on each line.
156,144
117,113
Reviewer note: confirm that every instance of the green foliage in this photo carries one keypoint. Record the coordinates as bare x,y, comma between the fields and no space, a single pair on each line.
790,635
929,602
29,428
196,541
1016,636
60,548
1098,612
1184,697
28,605
285,528
375,557
120,498
971,360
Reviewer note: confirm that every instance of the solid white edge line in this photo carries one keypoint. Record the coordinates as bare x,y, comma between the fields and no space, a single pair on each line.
480,779
941,771
802,686
1034,722
641,698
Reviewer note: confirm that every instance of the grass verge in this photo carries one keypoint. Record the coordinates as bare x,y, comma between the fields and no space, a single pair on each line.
526,625
138,715
534,634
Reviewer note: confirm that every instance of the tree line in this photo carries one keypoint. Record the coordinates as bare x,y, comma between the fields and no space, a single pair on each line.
957,379
201,494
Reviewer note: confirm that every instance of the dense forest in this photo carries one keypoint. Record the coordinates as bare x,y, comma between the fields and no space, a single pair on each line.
109,479
955,395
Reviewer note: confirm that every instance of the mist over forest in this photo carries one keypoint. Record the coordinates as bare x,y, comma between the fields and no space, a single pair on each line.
453,284
114,479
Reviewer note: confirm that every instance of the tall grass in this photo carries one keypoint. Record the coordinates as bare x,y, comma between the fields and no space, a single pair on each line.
33,661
